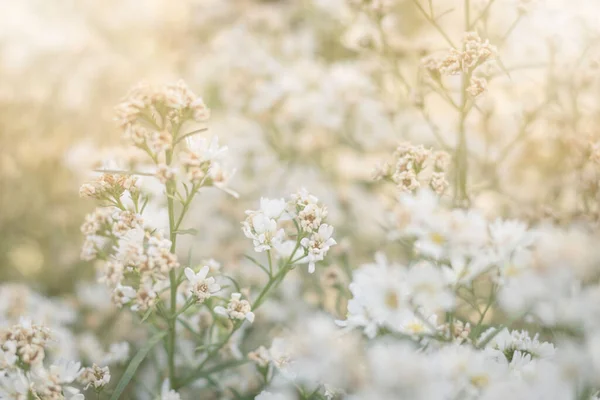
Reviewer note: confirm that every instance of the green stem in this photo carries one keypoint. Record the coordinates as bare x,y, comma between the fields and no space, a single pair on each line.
261,297
170,186
198,371
434,23
186,206
461,159
270,263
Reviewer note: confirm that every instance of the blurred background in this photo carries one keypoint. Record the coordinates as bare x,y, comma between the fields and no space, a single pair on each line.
303,94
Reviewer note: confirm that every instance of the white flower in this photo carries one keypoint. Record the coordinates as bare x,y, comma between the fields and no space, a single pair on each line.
264,395
318,245
263,231
380,297
432,239
66,371
8,354
303,198
122,295
286,249
429,288
237,308
95,376
202,287
72,393
508,236
416,325
280,354
118,353
206,150
145,296
272,208
14,385
509,342
166,393
311,217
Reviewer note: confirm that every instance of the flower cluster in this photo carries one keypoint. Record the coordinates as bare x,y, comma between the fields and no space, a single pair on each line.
484,283
108,186
413,167
157,119
468,60
136,259
166,106
475,52
23,375
399,299
118,239
266,228
24,342
387,369
95,376
236,309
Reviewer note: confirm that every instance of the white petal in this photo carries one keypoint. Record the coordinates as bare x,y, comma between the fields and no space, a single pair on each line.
221,311
250,316
189,273
203,272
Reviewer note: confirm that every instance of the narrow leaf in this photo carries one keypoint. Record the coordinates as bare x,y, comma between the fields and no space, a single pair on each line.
135,363
190,231
255,262
147,314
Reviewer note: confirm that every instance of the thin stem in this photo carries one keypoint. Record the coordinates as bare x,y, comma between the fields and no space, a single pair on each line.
461,153
189,134
261,297
120,172
387,52
186,206
434,23
499,329
170,186
197,373
270,263
273,279
510,30
482,15
467,14
461,158
434,129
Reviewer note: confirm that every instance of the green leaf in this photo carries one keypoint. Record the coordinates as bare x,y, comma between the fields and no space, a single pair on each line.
259,265
190,231
135,363
237,286
199,374
147,314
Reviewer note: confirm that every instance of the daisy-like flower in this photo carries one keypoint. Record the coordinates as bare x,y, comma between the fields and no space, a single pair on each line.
318,245
206,150
66,371
122,295
263,231
118,353
237,308
273,208
14,385
95,376
201,286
